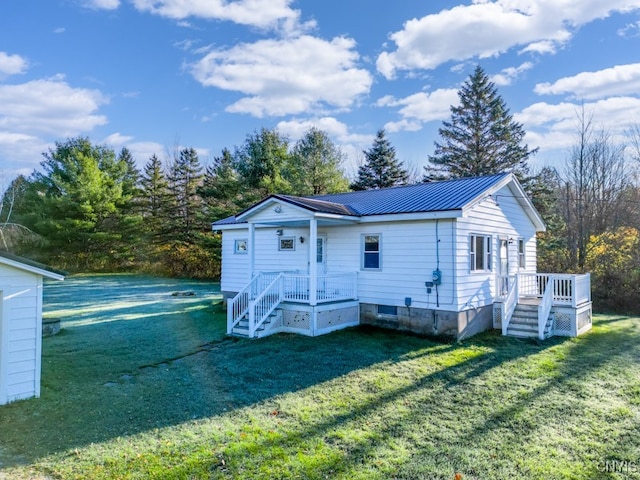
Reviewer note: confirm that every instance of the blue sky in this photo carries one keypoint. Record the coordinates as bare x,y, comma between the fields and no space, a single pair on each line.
153,75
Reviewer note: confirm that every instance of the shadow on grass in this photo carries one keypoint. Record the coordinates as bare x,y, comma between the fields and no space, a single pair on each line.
105,379
169,368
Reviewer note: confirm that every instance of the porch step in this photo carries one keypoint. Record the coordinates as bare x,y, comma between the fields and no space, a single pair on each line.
524,322
242,328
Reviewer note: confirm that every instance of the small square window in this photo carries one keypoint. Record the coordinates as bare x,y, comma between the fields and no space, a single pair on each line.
287,243
240,246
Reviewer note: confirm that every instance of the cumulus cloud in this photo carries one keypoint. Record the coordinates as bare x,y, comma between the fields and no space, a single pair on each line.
50,106
286,76
420,108
12,64
555,126
488,28
614,81
257,13
507,75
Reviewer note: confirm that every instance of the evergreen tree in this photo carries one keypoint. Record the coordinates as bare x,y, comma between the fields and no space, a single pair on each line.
482,138
155,199
381,168
262,160
315,165
184,178
222,191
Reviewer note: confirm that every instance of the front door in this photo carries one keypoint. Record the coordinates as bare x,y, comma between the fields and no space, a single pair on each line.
503,266
321,254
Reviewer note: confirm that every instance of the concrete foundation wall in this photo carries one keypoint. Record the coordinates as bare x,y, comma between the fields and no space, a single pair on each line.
424,321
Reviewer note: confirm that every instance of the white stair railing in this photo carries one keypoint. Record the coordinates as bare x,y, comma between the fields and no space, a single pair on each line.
510,302
238,306
265,304
544,309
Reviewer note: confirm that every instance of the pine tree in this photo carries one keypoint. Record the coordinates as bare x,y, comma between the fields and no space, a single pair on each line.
184,179
381,168
315,165
222,191
482,138
155,199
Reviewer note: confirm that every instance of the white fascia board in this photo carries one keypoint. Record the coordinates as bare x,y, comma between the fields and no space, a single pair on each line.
31,269
404,217
229,226
268,202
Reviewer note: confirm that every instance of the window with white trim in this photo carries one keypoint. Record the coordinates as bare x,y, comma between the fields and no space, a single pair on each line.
371,251
480,253
521,258
240,246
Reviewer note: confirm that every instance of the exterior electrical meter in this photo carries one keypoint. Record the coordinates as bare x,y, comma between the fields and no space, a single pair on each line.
437,277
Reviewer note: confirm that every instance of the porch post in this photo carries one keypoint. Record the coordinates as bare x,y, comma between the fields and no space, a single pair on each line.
313,261
251,241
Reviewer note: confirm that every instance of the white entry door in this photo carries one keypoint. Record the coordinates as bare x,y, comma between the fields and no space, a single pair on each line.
321,254
503,266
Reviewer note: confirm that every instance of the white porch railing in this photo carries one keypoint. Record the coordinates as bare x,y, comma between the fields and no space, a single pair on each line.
551,289
267,290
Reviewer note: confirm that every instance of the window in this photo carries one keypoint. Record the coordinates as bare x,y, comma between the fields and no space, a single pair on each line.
240,246
480,253
287,243
371,252
521,258
387,310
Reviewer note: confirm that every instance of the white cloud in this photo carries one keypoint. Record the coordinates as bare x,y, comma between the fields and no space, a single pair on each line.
507,75
102,4
617,80
258,13
12,64
287,76
50,106
488,28
420,108
556,126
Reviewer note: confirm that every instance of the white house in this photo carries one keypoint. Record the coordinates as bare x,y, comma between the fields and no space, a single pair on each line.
21,326
443,258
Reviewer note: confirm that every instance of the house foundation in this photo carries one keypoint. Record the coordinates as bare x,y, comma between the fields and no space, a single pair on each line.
427,321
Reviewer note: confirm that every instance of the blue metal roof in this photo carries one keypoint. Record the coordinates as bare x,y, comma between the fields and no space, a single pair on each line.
420,198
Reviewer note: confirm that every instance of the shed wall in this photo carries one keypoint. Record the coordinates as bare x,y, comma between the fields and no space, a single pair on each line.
20,334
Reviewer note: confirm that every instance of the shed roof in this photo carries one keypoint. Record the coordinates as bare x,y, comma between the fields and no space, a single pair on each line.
31,266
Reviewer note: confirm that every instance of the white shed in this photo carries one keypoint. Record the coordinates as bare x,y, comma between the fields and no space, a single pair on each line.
21,326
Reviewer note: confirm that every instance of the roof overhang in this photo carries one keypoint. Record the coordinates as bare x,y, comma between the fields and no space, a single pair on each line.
31,268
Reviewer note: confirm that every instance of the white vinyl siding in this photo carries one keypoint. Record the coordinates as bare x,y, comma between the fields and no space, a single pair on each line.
20,334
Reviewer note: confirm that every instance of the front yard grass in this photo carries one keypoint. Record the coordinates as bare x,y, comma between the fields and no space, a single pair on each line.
143,384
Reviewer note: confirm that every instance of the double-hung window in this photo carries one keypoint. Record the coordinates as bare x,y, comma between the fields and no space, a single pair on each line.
371,252
480,253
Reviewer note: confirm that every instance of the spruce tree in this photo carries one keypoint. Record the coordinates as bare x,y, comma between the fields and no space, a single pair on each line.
185,176
482,138
155,199
381,168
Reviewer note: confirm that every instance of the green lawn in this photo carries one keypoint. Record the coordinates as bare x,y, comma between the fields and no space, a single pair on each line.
144,384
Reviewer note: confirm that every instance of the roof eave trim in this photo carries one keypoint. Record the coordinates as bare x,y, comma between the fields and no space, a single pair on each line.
31,269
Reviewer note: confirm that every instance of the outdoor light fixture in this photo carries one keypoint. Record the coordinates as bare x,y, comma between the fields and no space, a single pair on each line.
279,232
301,239
511,241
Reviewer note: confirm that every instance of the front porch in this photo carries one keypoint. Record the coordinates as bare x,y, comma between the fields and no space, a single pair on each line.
276,302
542,305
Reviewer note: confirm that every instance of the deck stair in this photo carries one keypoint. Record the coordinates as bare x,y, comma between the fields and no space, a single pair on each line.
524,322
242,328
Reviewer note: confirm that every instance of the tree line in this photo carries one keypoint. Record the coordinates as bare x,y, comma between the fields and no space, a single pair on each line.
90,209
